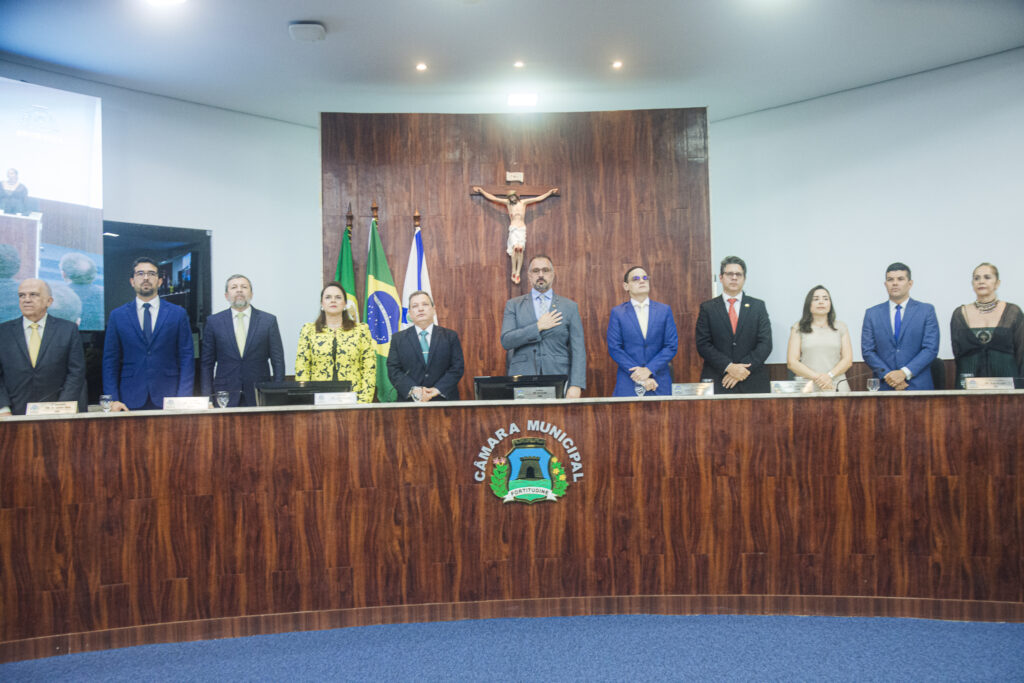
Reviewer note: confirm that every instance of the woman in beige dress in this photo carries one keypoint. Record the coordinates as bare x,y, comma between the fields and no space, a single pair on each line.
819,345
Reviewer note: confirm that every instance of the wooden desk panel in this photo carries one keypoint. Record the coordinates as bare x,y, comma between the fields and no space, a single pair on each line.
118,530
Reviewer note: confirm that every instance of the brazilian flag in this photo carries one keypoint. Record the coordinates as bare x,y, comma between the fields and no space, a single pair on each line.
346,274
382,311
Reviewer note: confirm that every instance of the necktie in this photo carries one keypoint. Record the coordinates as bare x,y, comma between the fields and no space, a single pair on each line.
424,346
545,304
734,317
896,323
240,332
34,340
147,323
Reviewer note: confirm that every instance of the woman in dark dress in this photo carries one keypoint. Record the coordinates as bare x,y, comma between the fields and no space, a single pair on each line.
988,334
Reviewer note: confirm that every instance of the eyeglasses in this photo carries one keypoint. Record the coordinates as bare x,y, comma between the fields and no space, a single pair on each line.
143,274
538,271
732,274
639,278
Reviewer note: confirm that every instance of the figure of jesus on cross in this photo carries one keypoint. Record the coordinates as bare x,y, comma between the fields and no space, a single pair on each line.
517,222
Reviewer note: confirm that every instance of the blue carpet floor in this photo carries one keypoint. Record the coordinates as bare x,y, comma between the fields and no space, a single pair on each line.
606,648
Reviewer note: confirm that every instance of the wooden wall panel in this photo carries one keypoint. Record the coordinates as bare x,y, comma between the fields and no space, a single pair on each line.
634,190
113,525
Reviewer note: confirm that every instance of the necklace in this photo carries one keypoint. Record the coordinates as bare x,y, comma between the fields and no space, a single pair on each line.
986,306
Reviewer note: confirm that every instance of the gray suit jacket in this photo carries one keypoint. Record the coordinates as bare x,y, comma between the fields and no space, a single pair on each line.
558,351
59,373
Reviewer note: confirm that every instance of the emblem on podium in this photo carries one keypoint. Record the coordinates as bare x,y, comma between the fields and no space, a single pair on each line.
528,473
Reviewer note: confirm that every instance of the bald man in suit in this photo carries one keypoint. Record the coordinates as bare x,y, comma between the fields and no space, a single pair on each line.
41,357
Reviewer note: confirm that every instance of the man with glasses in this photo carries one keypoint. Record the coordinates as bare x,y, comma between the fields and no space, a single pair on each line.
642,340
542,332
147,352
734,335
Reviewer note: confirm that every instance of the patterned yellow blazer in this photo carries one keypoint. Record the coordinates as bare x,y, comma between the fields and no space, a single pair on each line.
355,359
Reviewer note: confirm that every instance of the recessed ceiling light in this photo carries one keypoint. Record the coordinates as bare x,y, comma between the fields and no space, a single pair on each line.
164,3
421,66
522,99
519,64
617,64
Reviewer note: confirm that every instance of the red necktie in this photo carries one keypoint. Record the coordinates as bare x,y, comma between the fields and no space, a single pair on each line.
733,315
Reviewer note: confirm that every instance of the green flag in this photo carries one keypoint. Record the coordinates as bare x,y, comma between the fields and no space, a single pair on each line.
346,274
382,311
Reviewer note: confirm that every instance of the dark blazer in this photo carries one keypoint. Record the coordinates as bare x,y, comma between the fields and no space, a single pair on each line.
134,370
557,351
915,350
59,373
222,369
443,369
751,343
629,348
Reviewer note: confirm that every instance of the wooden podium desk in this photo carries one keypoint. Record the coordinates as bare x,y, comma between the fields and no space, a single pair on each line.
126,529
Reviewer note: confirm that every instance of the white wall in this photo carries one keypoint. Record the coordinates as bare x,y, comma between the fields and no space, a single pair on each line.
928,170
253,182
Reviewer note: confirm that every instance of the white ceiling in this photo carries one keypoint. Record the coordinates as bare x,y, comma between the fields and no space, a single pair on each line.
733,56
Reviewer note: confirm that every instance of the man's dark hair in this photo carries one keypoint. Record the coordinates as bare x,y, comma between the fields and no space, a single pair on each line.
145,259
898,266
417,293
732,260
10,260
78,268
544,256
625,278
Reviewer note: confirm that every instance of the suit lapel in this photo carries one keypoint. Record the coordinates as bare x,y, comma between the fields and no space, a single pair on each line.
18,332
254,321
46,341
631,315
908,314
161,318
133,320
526,307
435,341
718,306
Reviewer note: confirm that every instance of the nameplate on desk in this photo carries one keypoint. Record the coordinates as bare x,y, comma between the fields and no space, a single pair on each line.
988,383
186,403
520,393
693,388
52,408
334,398
795,386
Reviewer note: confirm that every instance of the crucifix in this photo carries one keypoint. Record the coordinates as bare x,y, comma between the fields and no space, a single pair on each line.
516,199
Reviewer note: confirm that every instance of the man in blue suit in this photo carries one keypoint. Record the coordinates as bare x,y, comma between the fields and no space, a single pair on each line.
642,339
147,351
425,361
900,338
237,346
542,332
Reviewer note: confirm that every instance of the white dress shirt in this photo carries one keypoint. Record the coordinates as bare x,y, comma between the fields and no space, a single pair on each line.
154,308
643,312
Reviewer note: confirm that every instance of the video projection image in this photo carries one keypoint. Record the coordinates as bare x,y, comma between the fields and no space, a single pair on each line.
51,200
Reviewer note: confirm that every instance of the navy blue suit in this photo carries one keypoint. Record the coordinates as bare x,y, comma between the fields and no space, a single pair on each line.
134,371
916,348
443,369
629,348
221,368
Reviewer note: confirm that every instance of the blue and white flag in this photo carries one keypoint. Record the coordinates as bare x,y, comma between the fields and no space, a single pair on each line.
416,277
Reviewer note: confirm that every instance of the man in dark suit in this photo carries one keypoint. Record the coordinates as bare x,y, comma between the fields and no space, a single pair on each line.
900,338
41,357
734,335
642,339
237,346
542,332
425,360
147,351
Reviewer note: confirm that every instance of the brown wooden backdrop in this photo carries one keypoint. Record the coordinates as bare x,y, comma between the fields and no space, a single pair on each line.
634,190
122,529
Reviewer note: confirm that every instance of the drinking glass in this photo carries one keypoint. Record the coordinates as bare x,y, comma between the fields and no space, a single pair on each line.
963,379
105,402
638,387
222,399
873,384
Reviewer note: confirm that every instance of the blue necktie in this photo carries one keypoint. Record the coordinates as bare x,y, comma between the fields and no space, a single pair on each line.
896,323
424,346
147,323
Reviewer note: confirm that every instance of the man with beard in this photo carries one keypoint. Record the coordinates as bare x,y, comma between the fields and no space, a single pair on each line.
237,346
542,332
147,352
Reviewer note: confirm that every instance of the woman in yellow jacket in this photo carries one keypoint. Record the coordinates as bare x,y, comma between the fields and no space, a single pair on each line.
336,347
